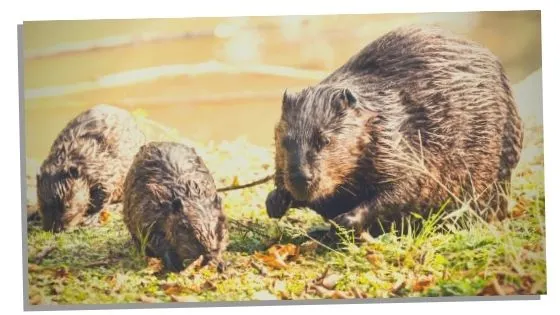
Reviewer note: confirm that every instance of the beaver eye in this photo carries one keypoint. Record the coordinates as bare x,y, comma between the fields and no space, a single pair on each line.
324,141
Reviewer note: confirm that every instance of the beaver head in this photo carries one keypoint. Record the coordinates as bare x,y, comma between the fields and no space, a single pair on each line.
63,197
321,135
196,224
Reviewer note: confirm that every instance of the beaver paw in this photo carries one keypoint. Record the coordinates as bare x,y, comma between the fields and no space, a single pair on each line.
345,225
277,203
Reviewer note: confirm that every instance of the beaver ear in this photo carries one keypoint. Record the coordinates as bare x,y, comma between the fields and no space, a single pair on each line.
177,205
347,99
288,100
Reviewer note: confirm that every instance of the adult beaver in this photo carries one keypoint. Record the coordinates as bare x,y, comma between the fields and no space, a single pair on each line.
416,118
171,206
85,168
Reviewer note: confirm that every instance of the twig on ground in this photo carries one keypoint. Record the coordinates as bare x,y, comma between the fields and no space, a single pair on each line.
44,253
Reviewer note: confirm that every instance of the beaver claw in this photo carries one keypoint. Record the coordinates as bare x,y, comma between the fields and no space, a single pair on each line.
277,203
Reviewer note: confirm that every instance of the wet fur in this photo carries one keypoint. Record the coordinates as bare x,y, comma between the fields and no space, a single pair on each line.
85,168
164,175
431,118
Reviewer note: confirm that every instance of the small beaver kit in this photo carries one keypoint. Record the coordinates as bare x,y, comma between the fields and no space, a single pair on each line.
86,166
417,118
171,206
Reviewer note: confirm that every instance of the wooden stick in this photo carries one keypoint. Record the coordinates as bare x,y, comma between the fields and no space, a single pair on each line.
254,183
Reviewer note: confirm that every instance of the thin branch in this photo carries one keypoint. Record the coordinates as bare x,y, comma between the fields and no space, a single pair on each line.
254,183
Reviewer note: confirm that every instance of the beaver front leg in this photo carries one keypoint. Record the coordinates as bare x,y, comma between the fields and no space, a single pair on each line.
279,201
373,217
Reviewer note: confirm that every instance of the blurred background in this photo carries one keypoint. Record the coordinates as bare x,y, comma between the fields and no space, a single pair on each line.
219,79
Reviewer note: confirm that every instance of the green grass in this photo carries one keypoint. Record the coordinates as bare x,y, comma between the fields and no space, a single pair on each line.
100,265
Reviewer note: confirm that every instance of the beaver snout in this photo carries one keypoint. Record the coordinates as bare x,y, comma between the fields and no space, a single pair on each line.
300,181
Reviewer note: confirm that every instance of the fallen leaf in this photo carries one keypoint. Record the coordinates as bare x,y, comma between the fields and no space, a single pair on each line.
375,259
340,295
104,216
33,267
264,295
331,280
183,298
278,255
399,285
61,272
35,299
422,283
155,265
494,288
208,285
358,293
148,299
172,288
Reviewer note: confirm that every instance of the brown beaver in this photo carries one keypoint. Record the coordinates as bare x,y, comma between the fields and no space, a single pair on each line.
172,207
85,168
417,118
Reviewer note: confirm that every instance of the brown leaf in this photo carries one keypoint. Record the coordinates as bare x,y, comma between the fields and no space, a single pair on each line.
34,267
61,272
340,295
375,259
399,285
359,293
183,298
35,299
422,283
331,280
148,299
208,286
104,216
278,255
495,288
172,288
155,265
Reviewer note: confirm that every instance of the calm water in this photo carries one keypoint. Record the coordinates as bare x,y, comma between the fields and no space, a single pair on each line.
220,104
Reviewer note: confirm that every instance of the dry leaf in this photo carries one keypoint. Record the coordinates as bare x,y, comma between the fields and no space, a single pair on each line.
61,272
495,288
399,285
171,288
183,298
340,295
208,285
264,295
422,283
148,299
375,259
104,216
278,255
33,267
155,265
35,299
331,280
